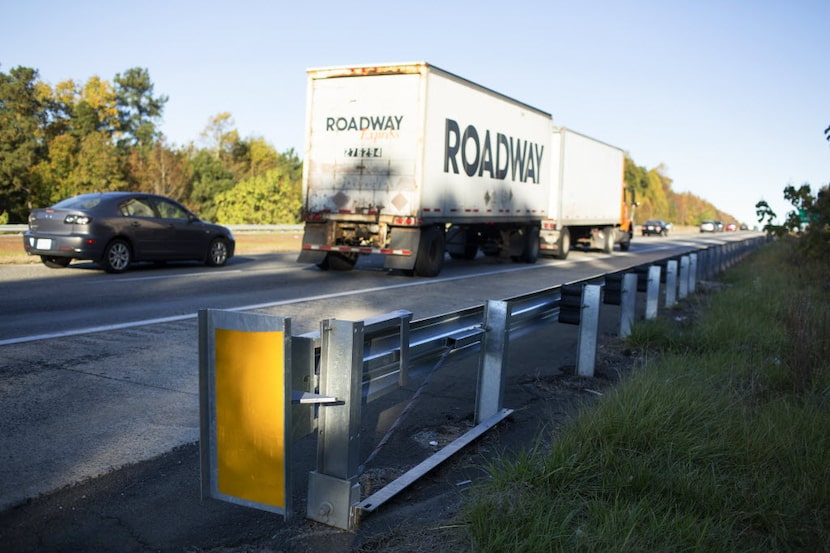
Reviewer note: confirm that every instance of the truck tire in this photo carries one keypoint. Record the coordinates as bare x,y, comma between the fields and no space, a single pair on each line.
336,261
530,253
430,258
563,246
608,240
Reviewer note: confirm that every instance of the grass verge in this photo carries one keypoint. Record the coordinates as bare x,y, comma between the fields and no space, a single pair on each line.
719,442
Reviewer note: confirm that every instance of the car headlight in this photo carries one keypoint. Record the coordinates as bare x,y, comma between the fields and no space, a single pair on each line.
77,219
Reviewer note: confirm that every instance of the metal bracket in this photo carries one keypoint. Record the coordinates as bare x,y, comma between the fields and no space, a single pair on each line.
307,398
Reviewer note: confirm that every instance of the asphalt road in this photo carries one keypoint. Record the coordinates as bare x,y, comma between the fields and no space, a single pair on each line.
99,373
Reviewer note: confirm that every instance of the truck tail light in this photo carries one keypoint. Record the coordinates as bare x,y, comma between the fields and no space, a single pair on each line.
407,221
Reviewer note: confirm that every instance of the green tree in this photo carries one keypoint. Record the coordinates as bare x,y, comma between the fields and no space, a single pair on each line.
138,110
809,219
23,115
270,198
82,153
209,179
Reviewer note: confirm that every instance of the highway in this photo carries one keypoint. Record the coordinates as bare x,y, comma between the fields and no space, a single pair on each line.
98,371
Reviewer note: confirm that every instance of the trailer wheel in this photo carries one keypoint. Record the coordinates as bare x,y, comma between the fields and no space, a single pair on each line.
608,240
336,261
625,245
430,258
563,246
470,252
530,252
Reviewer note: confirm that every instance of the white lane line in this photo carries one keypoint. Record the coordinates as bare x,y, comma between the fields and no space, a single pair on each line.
176,318
187,275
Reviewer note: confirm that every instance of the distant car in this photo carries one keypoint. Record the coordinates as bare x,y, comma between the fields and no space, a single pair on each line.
655,226
115,229
718,226
708,226
731,227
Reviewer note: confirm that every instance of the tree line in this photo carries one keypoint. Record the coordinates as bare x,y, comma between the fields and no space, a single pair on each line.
72,138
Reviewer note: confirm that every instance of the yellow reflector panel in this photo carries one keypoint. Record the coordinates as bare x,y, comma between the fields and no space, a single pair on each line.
250,415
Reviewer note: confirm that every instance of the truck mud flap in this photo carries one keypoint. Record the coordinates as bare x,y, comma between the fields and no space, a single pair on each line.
403,239
313,234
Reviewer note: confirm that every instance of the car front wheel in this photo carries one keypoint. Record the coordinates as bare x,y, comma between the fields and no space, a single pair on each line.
217,253
117,256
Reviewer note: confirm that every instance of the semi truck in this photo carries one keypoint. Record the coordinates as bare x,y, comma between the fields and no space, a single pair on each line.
589,204
414,162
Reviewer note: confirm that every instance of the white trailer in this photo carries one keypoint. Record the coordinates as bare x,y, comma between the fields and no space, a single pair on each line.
411,161
588,203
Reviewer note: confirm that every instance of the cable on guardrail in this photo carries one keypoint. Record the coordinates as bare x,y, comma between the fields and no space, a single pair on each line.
413,400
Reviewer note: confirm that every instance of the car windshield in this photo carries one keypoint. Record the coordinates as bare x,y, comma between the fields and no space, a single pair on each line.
87,201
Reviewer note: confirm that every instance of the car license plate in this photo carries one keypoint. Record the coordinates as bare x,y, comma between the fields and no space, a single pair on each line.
44,244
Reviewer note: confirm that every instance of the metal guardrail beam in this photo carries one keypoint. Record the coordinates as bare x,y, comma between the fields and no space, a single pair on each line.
391,357
356,362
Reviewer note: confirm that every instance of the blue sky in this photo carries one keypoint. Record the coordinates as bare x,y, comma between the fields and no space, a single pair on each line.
731,97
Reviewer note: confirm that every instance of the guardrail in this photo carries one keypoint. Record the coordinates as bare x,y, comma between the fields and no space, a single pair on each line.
347,364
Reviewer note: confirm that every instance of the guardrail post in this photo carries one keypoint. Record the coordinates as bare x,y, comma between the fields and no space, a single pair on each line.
612,291
403,363
692,272
671,282
702,261
493,359
652,291
588,330
303,379
628,303
683,287
570,303
333,489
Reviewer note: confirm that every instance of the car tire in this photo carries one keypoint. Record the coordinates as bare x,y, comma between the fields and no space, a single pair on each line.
117,256
54,262
217,253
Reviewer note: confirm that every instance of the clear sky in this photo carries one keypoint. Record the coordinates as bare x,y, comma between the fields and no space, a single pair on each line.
731,96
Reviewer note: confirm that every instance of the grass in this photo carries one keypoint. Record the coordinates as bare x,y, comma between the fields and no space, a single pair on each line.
719,443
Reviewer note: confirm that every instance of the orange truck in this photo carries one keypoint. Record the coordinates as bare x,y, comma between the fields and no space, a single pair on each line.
588,205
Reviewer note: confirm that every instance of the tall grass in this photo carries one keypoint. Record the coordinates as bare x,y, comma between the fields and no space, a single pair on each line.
721,442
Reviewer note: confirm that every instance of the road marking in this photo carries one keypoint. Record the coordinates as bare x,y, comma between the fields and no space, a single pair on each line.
186,275
178,318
